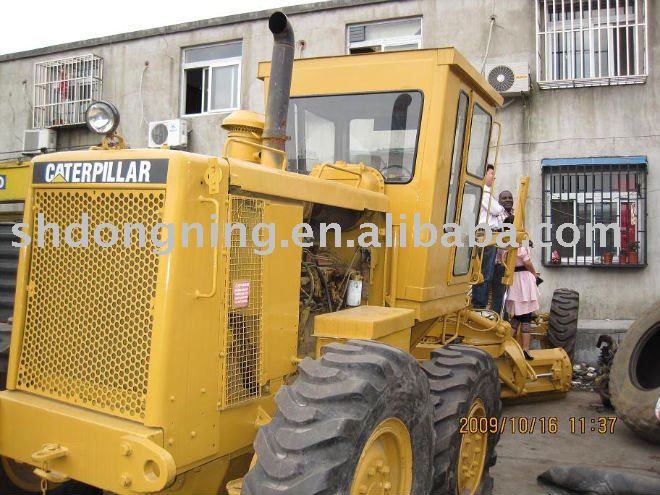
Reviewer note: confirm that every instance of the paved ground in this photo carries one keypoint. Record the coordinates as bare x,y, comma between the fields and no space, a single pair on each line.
521,458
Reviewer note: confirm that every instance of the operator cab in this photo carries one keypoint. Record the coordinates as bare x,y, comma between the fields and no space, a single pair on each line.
424,119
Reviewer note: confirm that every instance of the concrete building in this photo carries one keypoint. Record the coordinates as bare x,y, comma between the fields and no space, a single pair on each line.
594,93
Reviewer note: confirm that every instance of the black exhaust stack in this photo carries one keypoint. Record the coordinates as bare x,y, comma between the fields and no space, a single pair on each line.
277,107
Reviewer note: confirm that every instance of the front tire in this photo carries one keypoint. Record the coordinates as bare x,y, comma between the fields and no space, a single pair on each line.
357,419
464,384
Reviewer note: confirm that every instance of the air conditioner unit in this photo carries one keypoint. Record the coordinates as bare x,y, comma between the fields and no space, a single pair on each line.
173,133
509,79
36,140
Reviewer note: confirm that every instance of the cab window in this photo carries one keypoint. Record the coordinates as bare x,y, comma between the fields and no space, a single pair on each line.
469,217
377,129
455,173
479,140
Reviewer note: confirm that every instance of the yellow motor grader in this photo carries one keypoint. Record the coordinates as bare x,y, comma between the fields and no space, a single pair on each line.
270,366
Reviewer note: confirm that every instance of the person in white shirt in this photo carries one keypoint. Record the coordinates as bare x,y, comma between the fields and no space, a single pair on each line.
489,214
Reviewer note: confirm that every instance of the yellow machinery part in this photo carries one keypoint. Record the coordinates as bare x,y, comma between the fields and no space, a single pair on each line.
386,462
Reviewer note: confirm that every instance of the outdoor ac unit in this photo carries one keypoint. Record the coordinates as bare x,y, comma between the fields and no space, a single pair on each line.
509,79
36,140
173,133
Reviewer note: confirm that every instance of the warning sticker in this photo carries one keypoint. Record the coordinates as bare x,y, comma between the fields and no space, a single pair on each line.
241,293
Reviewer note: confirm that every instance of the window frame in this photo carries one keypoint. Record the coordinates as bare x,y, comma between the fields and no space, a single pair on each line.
488,140
590,168
210,65
386,42
457,178
474,99
565,30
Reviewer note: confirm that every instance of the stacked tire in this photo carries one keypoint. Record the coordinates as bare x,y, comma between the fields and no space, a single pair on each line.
635,376
562,327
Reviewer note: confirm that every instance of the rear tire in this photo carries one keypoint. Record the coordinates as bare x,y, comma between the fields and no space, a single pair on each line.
635,376
320,439
461,376
563,323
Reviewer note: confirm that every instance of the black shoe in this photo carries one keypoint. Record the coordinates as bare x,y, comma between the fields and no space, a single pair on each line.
528,356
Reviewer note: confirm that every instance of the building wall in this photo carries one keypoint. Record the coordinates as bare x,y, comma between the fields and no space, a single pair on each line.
599,121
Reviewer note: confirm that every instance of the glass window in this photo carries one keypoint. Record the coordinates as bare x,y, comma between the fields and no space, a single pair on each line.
469,217
211,78
377,129
319,140
212,52
386,36
459,138
224,87
479,140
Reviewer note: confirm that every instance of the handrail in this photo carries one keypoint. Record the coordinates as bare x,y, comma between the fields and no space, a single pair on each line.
214,283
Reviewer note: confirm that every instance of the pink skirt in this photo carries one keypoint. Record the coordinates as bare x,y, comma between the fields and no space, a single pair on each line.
523,295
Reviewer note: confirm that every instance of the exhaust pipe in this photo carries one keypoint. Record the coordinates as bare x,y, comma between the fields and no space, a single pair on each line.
279,87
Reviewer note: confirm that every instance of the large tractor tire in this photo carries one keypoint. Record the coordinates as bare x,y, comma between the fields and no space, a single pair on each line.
635,376
356,421
563,323
464,384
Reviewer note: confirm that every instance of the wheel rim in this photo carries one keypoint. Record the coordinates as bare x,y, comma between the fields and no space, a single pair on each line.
21,475
472,456
385,465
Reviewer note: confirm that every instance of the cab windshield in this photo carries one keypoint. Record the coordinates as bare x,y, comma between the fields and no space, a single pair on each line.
377,129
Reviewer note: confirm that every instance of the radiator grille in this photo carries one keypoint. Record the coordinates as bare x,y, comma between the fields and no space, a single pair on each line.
88,321
244,354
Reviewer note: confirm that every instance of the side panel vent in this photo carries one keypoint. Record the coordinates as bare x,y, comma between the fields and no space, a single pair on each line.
243,350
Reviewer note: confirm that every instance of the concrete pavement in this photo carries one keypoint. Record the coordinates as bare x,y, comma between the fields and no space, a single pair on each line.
522,457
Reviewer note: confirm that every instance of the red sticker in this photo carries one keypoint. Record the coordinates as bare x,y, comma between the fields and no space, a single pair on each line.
241,291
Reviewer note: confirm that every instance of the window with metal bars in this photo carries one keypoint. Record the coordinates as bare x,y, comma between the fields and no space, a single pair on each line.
64,88
591,42
584,193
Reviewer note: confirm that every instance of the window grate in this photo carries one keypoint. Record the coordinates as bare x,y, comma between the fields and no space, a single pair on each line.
591,42
64,88
585,193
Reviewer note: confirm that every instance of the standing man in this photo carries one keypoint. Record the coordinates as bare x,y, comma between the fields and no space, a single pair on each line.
499,289
489,214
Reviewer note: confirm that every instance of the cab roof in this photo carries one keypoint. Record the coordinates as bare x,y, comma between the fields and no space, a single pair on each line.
439,56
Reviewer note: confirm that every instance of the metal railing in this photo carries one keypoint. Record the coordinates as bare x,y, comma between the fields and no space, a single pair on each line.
64,88
591,42
582,196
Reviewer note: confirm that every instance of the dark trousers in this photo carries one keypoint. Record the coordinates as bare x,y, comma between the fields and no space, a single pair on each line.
480,291
499,289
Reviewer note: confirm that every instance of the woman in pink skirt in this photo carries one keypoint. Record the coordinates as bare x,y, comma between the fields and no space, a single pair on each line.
522,298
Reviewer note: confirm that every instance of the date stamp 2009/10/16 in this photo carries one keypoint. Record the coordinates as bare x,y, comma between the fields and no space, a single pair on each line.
551,425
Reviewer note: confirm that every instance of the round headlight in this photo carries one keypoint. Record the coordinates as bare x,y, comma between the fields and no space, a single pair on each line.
102,117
